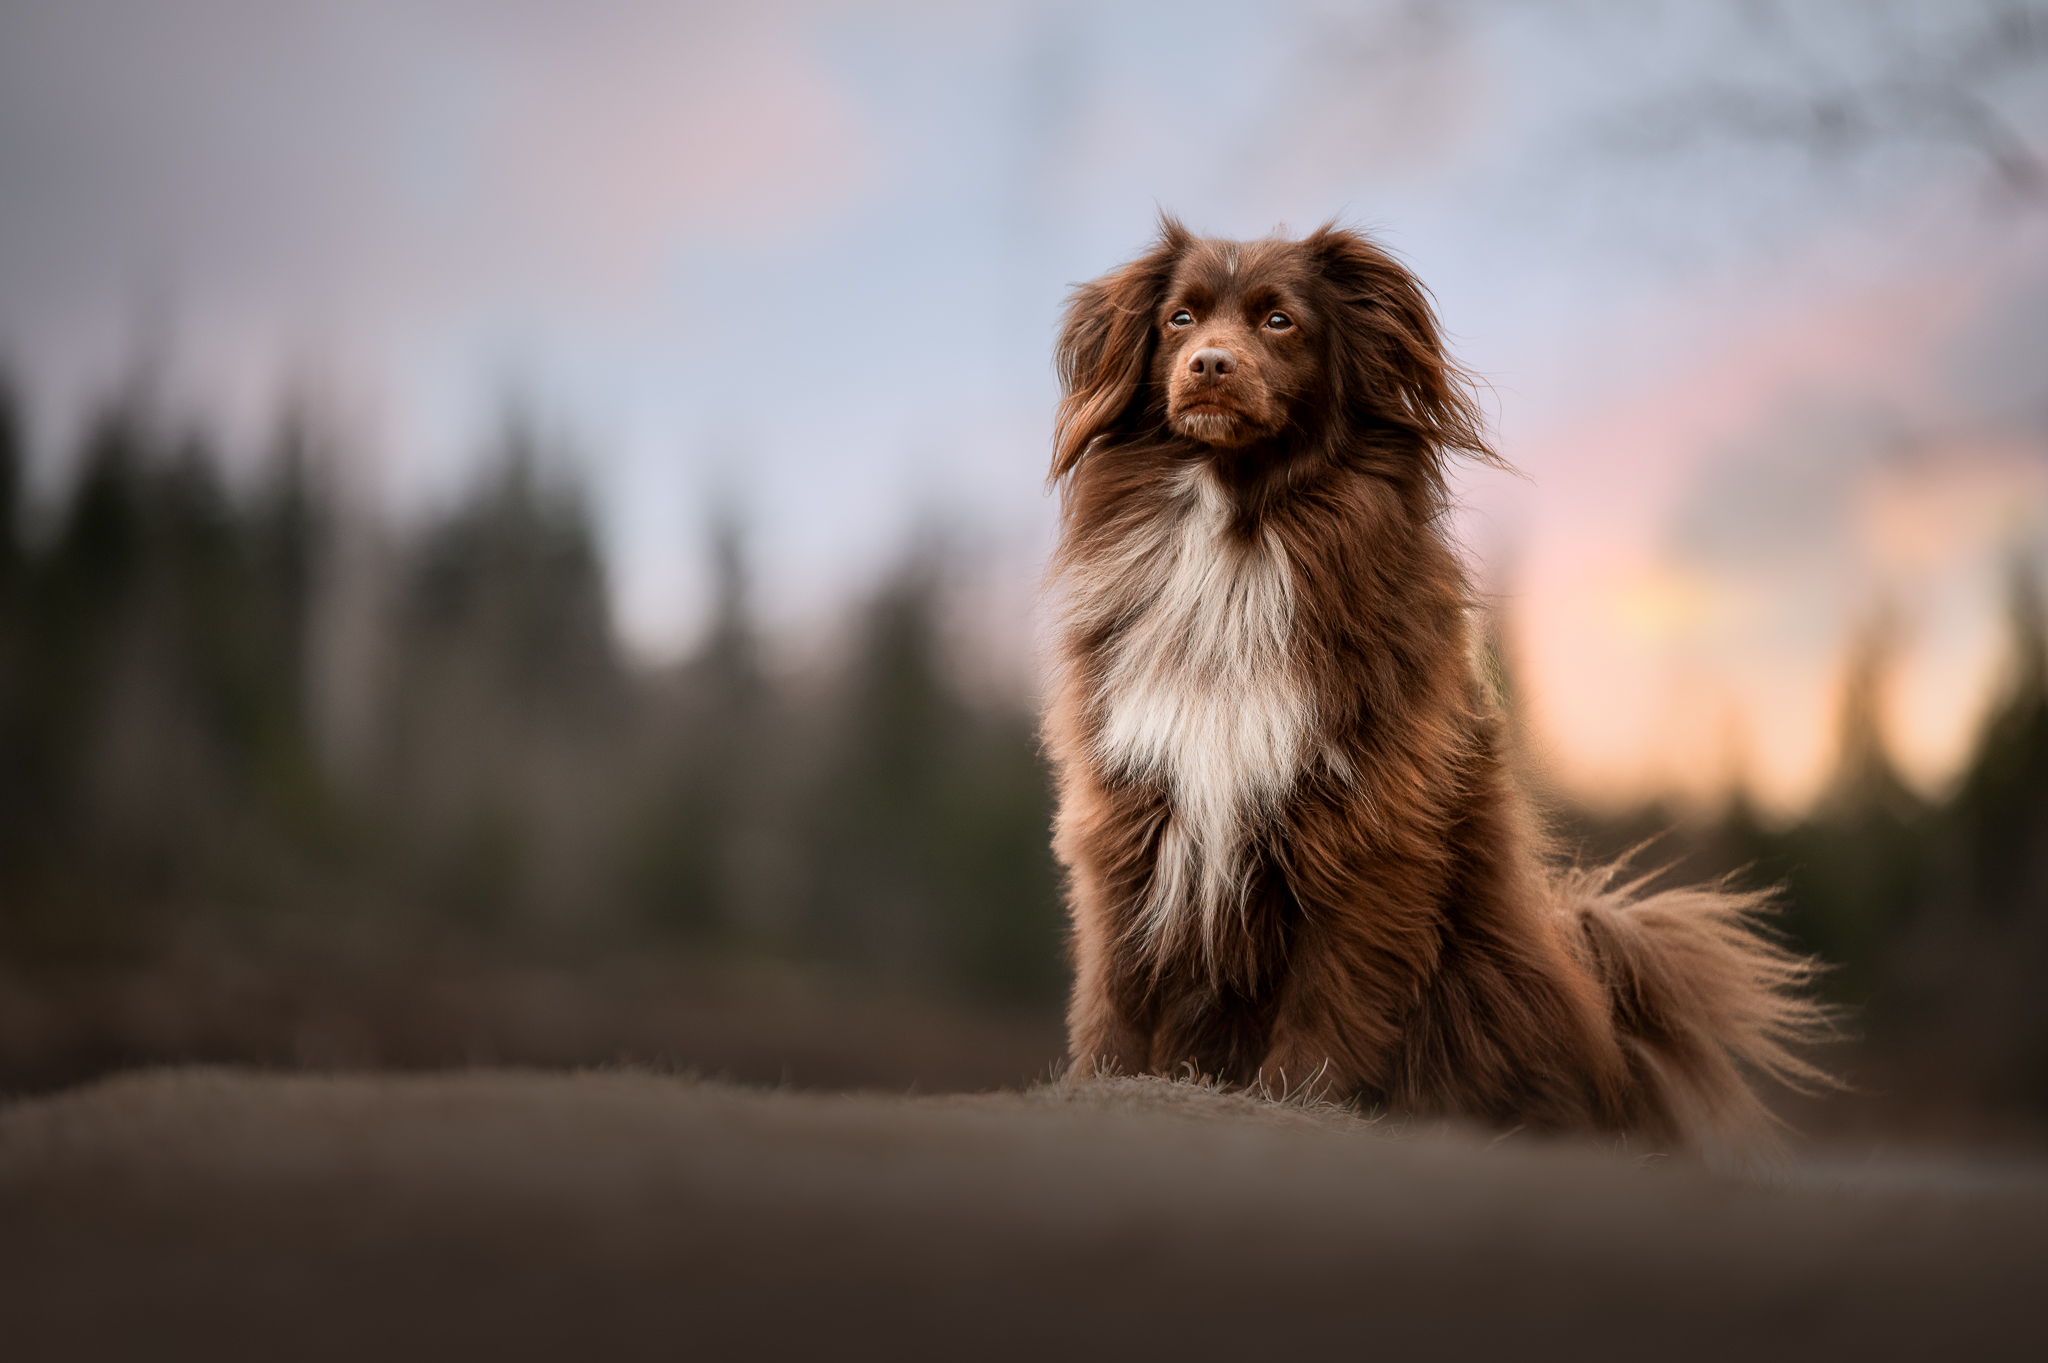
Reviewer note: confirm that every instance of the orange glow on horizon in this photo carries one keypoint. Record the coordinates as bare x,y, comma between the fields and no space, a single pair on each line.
1655,666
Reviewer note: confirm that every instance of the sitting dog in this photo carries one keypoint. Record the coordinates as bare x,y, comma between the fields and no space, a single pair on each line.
1294,857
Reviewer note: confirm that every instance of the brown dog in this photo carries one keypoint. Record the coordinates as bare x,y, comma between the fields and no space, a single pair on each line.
1294,858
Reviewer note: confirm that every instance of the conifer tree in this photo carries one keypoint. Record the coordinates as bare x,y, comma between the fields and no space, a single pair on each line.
2002,808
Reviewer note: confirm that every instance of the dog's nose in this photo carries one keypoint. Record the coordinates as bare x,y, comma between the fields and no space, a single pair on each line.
1212,362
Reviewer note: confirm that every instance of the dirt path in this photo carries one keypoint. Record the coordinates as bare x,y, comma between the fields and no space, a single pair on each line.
501,1214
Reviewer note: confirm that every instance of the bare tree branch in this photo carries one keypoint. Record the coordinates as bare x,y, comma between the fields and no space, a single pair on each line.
1937,97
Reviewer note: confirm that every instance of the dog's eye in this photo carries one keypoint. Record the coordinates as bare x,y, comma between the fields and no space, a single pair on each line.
1183,318
1278,322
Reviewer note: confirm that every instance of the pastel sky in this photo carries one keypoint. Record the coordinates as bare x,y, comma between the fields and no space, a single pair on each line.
1768,371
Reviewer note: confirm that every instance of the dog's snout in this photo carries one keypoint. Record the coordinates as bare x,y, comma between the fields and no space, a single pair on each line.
1211,362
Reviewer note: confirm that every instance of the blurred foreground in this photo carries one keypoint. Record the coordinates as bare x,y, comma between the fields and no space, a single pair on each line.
626,1215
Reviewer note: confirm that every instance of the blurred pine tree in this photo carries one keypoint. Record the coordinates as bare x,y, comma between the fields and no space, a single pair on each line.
2002,807
508,704
929,830
1859,863
699,854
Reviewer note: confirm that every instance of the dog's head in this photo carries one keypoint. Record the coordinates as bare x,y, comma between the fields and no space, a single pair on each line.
1272,346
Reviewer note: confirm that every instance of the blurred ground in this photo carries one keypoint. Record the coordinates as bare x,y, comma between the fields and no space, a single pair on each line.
623,1214
317,1004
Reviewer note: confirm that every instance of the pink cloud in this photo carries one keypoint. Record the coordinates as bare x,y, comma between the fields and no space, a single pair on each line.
1651,668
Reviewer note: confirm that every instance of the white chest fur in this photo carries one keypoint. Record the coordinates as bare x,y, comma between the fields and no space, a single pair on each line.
1197,690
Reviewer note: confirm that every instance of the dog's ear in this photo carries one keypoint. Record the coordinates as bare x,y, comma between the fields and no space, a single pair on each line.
1106,343
1388,354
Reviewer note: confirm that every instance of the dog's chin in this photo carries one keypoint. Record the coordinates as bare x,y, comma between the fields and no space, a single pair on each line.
1225,430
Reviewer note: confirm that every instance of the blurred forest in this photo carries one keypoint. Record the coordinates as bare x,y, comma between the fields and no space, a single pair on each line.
254,747
281,784
1933,914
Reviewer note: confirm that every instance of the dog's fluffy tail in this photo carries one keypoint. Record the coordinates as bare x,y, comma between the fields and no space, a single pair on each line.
1703,1000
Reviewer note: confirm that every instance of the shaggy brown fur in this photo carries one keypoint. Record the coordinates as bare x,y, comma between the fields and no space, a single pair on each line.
1294,857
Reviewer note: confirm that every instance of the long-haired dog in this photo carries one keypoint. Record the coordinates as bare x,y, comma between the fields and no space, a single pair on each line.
1294,856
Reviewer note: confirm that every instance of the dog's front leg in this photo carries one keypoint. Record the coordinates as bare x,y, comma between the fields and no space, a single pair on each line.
1322,1043
1109,1018
1350,985
1105,1034
1105,840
